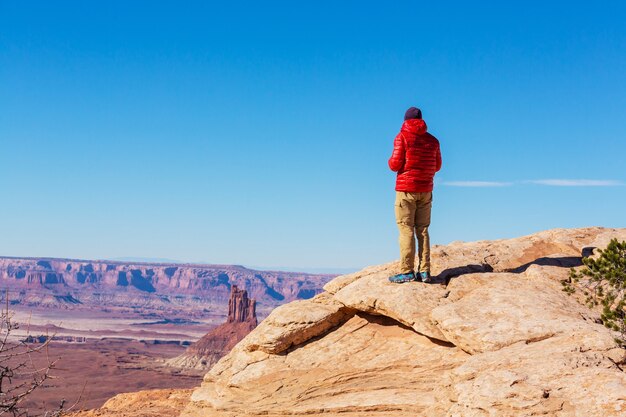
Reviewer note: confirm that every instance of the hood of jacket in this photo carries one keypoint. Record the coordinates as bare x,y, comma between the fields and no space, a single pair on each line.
414,126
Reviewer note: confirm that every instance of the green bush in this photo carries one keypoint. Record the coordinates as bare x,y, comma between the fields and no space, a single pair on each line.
603,282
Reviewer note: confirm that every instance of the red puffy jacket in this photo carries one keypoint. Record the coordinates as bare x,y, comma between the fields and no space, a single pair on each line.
416,157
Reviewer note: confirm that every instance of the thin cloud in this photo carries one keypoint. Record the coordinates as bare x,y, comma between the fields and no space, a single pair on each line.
576,183
546,182
477,184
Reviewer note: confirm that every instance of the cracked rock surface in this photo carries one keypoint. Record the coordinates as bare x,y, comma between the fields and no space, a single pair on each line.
495,336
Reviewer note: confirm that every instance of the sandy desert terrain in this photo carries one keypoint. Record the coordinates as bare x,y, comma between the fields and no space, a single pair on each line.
87,374
106,354
113,325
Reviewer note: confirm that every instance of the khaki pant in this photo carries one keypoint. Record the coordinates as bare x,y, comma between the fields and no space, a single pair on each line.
413,216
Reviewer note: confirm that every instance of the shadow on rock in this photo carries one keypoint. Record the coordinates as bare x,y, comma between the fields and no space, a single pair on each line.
563,262
447,274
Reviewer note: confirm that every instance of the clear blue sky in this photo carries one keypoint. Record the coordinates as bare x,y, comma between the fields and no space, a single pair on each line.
258,133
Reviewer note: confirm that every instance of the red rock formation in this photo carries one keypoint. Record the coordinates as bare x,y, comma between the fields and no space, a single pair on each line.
240,308
218,342
161,287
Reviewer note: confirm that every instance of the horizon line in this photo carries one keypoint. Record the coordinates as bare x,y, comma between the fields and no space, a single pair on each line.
146,261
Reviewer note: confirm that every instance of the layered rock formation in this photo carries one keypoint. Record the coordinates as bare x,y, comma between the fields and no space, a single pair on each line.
241,309
496,336
74,284
149,403
218,342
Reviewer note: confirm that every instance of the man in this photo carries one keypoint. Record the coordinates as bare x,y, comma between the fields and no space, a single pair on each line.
416,158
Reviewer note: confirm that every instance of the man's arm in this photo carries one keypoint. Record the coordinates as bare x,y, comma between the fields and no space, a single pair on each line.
438,158
396,162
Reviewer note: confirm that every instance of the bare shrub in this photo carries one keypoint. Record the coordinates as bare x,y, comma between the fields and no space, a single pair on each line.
20,377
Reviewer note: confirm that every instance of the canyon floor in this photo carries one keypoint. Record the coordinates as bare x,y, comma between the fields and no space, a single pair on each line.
87,374
114,325
103,353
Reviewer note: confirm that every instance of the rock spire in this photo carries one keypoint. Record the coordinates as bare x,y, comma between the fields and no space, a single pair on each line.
240,308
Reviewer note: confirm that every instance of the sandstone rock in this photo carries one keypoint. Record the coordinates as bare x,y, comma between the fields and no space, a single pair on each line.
602,239
295,323
343,280
510,309
354,368
459,288
151,403
560,247
503,340
241,309
410,304
559,376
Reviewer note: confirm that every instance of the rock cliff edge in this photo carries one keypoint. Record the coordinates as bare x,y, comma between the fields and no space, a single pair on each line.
495,336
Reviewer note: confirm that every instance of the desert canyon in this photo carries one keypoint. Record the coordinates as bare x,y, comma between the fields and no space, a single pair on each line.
146,287
241,320
115,325
494,336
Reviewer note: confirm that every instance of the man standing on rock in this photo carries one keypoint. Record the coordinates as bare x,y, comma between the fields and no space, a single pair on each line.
416,158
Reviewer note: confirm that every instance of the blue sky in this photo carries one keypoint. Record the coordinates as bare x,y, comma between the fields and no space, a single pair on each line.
258,133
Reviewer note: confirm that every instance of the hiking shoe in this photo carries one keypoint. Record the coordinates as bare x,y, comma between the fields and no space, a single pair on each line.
400,278
425,277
